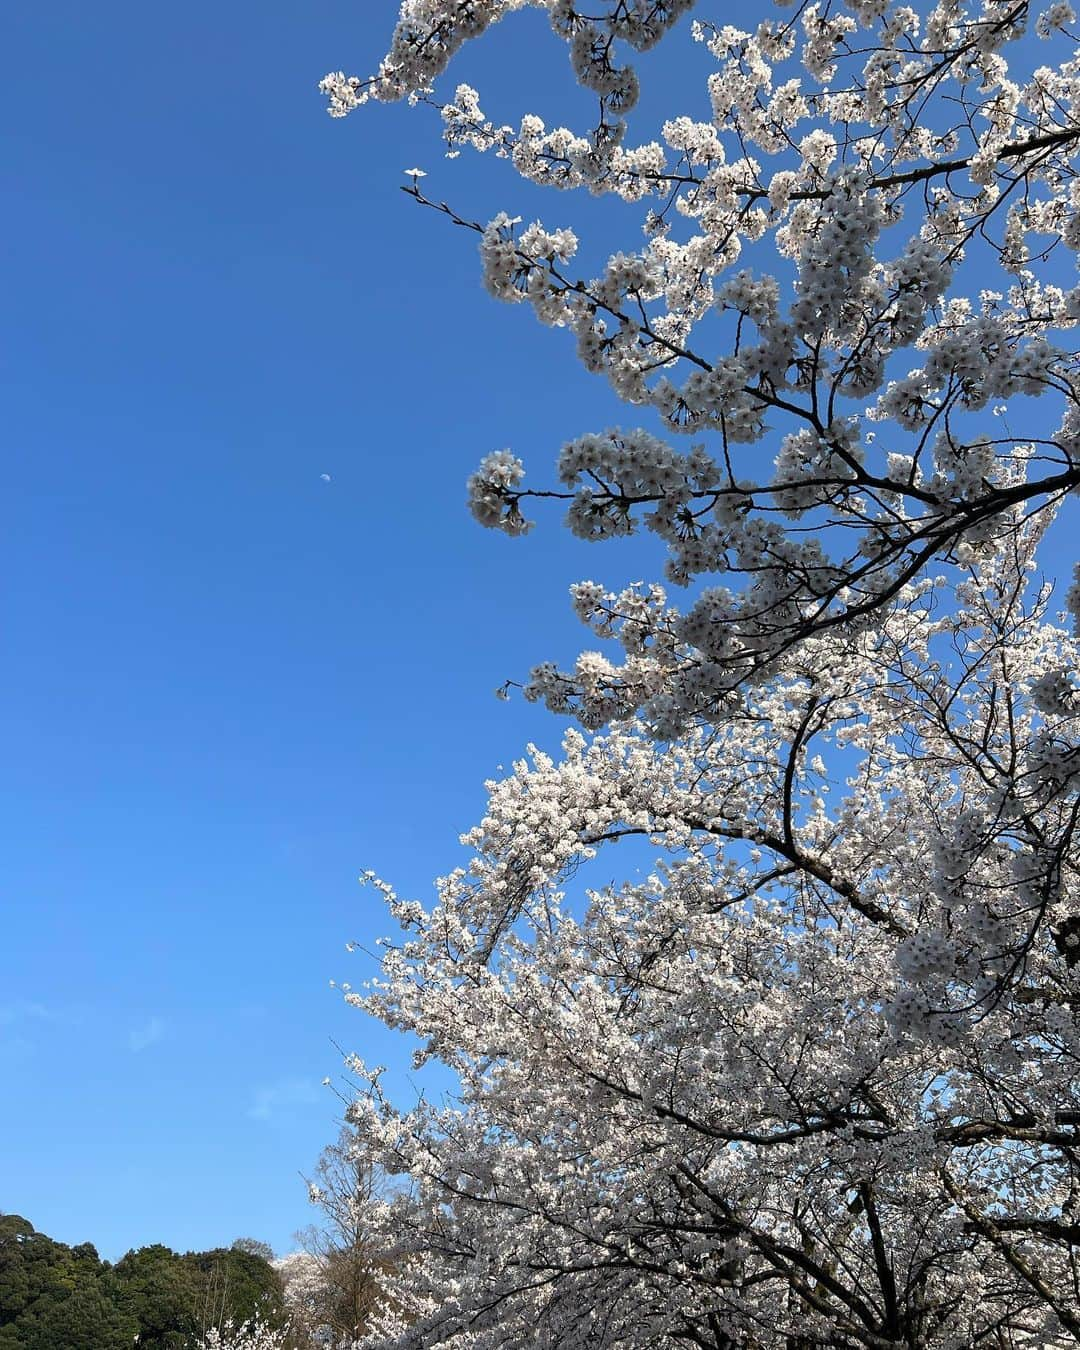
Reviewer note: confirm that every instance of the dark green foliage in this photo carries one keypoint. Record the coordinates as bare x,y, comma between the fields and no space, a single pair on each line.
159,1289
55,1297
255,1246
86,1320
235,1286
16,1279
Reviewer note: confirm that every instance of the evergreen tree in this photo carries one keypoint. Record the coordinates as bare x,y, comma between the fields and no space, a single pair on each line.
234,1286
54,1296
159,1288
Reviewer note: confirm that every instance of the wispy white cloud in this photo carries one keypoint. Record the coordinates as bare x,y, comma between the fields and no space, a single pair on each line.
16,1050
24,1011
19,1021
285,1093
141,1038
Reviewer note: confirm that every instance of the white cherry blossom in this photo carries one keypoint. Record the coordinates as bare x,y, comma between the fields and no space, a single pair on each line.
816,1073
840,190
811,1079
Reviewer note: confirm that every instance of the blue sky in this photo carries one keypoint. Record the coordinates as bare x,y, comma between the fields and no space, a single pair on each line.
230,685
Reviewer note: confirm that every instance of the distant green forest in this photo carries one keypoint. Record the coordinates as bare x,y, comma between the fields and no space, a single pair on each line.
56,1297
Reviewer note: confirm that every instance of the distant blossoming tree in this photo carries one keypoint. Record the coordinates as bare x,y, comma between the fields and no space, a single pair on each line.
305,1296
814,1081
333,1284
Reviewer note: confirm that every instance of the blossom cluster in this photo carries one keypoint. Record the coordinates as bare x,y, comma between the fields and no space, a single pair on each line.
842,990
248,1336
819,231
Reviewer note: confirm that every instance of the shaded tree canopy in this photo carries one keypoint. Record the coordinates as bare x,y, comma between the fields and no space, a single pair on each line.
159,1288
52,1295
234,1285
254,1247
57,1297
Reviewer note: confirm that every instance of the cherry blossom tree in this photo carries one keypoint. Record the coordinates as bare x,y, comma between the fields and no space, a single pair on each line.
815,1080
333,1285
301,1275
812,1081
858,239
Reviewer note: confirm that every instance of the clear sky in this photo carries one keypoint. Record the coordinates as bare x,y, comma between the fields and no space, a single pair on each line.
230,685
